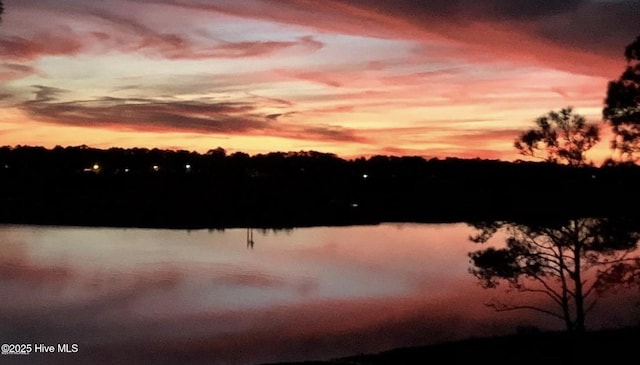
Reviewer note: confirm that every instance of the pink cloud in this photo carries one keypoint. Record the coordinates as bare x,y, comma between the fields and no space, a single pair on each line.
104,30
316,77
18,48
549,34
13,71
259,48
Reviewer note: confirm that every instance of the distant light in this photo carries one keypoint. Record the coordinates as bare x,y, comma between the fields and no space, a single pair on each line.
187,167
354,205
6,166
593,176
96,167
365,176
156,168
126,170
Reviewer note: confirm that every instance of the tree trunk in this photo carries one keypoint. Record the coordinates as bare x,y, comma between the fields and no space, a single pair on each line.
579,295
566,312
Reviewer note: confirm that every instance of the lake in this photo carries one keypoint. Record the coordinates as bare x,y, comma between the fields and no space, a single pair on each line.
212,297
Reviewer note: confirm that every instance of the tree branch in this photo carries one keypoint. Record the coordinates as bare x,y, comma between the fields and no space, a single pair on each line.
551,292
498,307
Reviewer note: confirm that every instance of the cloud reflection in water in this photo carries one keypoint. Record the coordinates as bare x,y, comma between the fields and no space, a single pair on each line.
165,296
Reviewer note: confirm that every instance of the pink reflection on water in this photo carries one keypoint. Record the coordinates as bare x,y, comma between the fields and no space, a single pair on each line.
147,296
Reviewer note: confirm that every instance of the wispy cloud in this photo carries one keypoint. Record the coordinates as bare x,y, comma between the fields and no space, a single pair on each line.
217,117
257,48
548,33
21,48
102,29
13,71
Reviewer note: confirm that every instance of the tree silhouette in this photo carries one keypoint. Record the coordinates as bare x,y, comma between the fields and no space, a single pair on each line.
562,137
1,10
570,263
622,105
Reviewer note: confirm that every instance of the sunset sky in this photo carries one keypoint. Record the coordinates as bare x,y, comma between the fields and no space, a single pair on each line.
356,77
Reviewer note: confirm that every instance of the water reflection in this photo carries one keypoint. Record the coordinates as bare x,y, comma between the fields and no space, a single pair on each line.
165,296
250,241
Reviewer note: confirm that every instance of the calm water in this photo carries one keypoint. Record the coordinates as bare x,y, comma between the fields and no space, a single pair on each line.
175,296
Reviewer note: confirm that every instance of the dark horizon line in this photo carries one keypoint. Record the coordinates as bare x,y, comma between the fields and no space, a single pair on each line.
285,152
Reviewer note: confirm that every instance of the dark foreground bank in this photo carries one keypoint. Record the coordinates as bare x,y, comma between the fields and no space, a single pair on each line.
605,347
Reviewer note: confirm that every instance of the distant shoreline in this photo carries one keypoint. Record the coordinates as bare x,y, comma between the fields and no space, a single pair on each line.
166,189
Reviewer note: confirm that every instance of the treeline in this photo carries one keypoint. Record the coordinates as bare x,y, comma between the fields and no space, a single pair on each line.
152,187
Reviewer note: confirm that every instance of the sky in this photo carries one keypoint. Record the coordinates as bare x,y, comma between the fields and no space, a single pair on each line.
441,78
